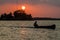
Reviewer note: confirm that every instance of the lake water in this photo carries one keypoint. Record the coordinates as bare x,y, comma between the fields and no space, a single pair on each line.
8,31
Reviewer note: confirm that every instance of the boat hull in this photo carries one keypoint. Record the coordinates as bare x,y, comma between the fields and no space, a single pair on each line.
48,27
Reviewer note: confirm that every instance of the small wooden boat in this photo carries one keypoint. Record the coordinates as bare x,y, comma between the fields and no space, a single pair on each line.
47,27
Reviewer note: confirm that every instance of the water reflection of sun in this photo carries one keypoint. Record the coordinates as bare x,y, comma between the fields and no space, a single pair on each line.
22,32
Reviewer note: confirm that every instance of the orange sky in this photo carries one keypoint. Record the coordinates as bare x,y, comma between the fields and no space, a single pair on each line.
42,10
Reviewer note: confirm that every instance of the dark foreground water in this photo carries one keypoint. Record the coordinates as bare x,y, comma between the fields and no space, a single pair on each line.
12,33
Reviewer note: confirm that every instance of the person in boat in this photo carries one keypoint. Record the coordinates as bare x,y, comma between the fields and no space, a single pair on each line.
35,24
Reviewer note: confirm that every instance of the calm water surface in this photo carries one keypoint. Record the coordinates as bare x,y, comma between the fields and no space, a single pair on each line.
12,33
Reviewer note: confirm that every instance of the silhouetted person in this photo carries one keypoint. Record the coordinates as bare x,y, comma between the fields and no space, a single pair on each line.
35,24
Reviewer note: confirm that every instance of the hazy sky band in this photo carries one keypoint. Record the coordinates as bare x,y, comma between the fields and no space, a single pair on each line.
39,8
51,2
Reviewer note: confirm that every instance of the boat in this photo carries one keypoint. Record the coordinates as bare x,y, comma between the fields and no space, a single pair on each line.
47,27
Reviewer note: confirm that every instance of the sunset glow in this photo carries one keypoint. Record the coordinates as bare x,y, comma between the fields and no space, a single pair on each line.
23,7
37,8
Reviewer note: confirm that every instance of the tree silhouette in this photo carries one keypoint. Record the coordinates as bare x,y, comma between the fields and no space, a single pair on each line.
18,15
9,16
3,16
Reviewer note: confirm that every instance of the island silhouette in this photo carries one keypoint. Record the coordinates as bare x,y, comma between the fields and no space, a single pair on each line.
22,15
16,15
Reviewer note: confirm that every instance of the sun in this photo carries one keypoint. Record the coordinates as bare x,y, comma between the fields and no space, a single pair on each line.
23,7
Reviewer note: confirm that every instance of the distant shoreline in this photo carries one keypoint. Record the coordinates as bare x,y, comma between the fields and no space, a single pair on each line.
29,20
21,15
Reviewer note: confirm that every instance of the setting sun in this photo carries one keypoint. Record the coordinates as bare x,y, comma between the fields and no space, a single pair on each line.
23,7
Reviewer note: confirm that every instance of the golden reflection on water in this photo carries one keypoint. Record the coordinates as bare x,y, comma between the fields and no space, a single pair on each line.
23,32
